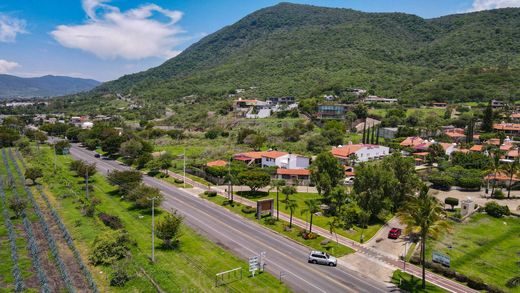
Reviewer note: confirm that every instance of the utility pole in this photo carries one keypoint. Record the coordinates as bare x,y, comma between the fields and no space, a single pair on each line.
153,227
184,169
86,182
54,147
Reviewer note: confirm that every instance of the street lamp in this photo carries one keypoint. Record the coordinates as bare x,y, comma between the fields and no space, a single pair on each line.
153,226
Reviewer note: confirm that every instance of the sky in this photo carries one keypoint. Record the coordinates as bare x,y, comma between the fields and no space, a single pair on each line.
105,39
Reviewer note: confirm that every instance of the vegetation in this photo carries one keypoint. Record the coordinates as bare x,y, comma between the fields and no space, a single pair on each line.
411,284
168,229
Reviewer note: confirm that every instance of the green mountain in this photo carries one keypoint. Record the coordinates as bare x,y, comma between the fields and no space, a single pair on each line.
44,86
305,51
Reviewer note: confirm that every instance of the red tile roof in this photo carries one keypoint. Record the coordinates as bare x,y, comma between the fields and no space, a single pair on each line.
507,126
258,155
412,141
298,172
346,150
476,148
218,163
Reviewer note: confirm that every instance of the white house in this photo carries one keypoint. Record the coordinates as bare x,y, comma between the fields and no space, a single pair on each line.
362,152
284,160
87,125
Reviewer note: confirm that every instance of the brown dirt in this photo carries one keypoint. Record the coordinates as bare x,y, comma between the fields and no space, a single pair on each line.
32,280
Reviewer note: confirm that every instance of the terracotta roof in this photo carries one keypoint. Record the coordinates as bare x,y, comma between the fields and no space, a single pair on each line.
274,154
464,151
476,148
500,177
423,146
455,134
513,153
349,171
507,126
506,147
412,141
258,155
494,141
346,150
421,154
218,163
299,172
515,115
446,145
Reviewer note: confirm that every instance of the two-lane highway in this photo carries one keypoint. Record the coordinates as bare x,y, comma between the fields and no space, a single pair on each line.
246,238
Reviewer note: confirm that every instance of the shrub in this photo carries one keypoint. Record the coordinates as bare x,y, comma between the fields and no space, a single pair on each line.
248,210
269,220
452,201
494,289
441,181
461,278
415,260
476,283
119,276
114,222
17,205
307,235
498,194
210,193
168,229
495,210
449,273
109,247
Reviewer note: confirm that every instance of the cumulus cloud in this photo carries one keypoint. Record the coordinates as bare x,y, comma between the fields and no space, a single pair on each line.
7,66
479,5
133,34
10,27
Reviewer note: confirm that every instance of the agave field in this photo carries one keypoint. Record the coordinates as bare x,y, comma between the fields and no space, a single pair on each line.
43,256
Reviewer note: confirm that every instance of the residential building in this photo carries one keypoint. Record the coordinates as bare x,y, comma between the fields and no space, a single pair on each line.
439,105
294,176
284,160
218,163
412,141
87,125
281,100
359,152
508,128
370,123
497,104
331,111
388,132
449,148
376,99
455,134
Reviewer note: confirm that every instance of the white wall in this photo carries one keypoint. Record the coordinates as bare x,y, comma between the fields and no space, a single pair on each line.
289,161
372,152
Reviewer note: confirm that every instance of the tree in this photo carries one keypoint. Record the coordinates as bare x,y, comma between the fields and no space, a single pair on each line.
334,131
168,229
291,205
333,225
17,205
311,206
375,187
212,133
109,247
487,119
436,153
140,196
511,169
277,184
338,198
423,215
363,218
33,174
125,180
326,173
254,179
406,179
61,145
361,111
131,149
288,191
494,167
316,144
441,180
112,144
255,141
493,209
452,201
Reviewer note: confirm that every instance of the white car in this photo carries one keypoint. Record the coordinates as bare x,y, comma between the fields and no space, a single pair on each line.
318,257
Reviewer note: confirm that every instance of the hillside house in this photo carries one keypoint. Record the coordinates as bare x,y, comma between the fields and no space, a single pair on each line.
497,104
285,161
331,111
412,141
379,100
507,128
455,134
370,123
359,152
294,176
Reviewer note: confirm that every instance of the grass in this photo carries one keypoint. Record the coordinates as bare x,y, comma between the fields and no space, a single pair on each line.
171,180
190,267
412,284
321,221
423,111
484,247
279,226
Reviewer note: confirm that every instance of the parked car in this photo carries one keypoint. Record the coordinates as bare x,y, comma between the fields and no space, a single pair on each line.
394,233
318,257
97,155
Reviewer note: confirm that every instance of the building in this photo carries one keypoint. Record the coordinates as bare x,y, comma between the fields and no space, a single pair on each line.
331,111
439,105
370,123
379,100
218,163
294,176
284,160
508,128
412,141
87,125
497,104
388,132
359,152
449,148
455,134
281,100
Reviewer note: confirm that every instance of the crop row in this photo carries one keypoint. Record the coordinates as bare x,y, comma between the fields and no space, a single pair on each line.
65,232
18,280
46,230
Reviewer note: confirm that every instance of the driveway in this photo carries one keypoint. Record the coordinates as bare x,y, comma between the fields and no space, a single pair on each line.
393,248
479,197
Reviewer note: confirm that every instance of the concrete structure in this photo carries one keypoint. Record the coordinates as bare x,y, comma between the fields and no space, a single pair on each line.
379,100
87,125
361,152
285,160
331,111
388,132
467,207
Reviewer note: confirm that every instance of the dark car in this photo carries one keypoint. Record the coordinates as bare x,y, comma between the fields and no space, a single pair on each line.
97,155
394,233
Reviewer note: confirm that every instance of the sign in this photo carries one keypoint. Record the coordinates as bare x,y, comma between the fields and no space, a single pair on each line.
262,261
253,264
264,206
441,258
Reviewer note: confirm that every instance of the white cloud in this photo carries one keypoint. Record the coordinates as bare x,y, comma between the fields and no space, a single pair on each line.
6,66
10,27
479,5
133,34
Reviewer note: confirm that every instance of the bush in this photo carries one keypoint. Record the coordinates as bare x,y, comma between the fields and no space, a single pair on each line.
449,273
476,283
114,222
119,276
498,194
248,210
415,259
441,181
461,278
269,221
210,193
307,235
495,210
109,247
451,201
168,229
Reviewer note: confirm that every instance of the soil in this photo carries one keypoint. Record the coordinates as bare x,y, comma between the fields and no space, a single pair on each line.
32,280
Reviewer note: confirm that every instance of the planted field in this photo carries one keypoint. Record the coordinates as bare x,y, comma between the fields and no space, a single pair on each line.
484,247
189,267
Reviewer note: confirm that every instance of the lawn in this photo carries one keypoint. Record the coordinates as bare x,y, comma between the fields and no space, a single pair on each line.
484,247
409,111
279,226
321,221
412,284
190,267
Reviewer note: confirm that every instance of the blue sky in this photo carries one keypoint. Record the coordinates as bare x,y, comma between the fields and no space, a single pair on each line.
104,39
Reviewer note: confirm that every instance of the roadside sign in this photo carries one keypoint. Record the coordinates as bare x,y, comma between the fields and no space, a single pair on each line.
253,264
441,258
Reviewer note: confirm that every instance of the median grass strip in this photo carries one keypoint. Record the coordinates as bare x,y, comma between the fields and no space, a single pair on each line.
190,267
412,284
319,243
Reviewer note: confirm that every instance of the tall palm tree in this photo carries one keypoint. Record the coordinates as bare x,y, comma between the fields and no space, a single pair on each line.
494,167
291,205
277,183
332,228
311,206
425,216
511,169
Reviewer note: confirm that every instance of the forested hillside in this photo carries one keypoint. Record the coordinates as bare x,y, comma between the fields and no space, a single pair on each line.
45,86
304,51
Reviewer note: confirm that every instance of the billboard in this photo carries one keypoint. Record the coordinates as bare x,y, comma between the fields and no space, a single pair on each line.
264,206
441,258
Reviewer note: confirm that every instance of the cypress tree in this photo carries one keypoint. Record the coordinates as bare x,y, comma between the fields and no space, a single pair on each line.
364,131
377,135
487,120
373,139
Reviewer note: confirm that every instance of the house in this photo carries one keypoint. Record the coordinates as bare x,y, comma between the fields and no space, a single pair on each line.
379,100
359,152
87,125
455,134
281,100
284,160
515,117
423,146
497,104
412,141
298,176
512,154
478,148
439,105
507,128
218,163
449,148
420,158
370,123
331,111
243,105
388,132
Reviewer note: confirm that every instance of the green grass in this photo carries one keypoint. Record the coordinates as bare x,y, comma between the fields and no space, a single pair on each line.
190,267
321,221
171,180
331,247
412,284
409,111
483,247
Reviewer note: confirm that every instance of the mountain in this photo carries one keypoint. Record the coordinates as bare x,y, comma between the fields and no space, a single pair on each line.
45,86
304,51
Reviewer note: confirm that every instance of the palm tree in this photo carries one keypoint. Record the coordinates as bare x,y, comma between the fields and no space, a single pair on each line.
311,206
332,228
291,205
494,167
364,217
288,190
277,183
511,170
425,216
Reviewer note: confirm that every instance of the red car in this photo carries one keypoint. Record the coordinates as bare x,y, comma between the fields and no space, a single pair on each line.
394,233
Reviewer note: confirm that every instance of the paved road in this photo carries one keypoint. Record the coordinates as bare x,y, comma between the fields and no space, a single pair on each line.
246,238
